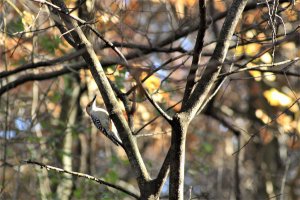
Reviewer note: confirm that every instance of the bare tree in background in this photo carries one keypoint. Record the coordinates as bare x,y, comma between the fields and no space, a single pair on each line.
165,71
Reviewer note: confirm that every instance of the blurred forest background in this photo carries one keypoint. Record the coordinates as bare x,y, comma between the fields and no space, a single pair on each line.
247,138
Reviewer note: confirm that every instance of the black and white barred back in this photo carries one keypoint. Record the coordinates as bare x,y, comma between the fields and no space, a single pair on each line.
107,133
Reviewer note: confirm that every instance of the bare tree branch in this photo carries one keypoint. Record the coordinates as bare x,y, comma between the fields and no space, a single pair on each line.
123,97
197,98
78,174
257,67
144,49
154,104
214,66
110,101
155,118
197,51
52,62
39,77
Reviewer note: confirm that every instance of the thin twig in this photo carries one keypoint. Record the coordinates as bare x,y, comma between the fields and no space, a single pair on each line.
252,136
155,118
155,70
155,104
260,66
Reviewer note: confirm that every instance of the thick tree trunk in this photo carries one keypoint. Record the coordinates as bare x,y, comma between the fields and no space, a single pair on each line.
179,130
150,191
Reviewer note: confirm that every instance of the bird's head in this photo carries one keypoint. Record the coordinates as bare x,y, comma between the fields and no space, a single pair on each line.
91,105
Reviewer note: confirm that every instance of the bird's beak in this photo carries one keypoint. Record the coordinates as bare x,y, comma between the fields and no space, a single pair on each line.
94,102
94,98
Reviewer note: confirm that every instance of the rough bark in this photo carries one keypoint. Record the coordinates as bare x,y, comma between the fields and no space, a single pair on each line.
178,140
198,99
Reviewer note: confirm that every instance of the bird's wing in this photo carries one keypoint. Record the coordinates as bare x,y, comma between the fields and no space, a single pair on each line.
102,128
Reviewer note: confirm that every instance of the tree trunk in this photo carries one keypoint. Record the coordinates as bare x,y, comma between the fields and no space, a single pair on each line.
179,130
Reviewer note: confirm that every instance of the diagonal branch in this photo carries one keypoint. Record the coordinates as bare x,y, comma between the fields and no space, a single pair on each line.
156,70
155,118
60,9
124,98
197,52
110,101
114,108
78,174
164,170
154,104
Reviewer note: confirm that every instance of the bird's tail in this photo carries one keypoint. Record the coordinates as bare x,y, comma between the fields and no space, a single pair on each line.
115,132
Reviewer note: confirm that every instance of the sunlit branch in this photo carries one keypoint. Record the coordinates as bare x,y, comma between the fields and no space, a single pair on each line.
197,51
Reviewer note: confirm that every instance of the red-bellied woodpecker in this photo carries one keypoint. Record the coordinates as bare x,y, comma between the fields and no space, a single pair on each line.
102,121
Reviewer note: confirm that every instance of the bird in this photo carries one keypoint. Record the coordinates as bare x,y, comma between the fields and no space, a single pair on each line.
102,121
